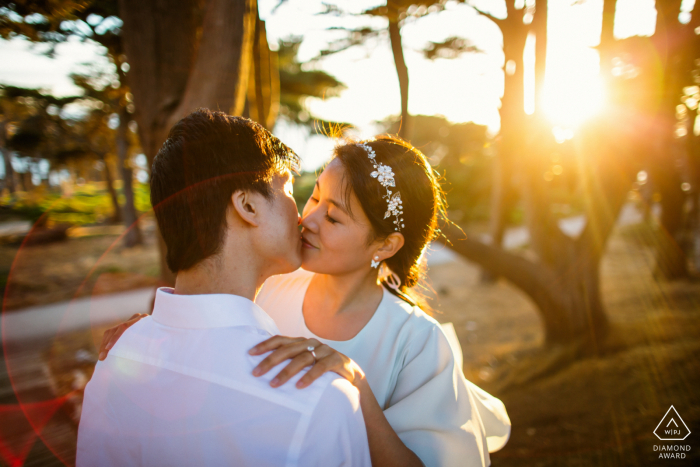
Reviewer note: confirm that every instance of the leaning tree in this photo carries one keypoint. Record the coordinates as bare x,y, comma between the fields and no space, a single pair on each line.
563,279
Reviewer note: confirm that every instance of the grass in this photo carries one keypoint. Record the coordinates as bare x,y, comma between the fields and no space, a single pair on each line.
87,204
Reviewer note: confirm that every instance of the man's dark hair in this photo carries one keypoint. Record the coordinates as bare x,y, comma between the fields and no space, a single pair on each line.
206,158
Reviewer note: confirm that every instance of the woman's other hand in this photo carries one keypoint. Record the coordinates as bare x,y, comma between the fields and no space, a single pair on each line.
295,348
112,335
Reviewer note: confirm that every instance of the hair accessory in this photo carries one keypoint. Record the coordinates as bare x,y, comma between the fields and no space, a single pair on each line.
375,263
384,174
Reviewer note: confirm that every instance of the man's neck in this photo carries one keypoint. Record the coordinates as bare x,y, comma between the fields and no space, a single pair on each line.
234,276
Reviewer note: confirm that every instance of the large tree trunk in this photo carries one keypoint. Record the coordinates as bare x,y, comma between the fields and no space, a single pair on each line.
133,235
668,41
263,84
402,72
607,38
117,214
568,303
182,58
564,281
512,113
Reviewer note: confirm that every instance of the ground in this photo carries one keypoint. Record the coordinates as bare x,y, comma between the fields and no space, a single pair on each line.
601,409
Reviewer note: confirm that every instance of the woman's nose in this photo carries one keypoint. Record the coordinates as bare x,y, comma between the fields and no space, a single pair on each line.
298,219
307,221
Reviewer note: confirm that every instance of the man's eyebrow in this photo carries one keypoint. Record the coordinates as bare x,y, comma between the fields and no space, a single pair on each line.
335,203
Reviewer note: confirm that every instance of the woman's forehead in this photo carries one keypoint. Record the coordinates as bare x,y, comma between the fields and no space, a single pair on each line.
335,184
332,176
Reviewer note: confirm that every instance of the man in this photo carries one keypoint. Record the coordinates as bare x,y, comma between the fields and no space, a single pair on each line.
177,388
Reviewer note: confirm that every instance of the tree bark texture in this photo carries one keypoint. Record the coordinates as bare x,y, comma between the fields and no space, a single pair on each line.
668,42
117,214
402,72
263,84
512,113
563,281
183,57
133,236
607,38
10,176
539,24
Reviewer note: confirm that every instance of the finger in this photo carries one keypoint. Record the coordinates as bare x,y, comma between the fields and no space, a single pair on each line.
287,351
297,364
105,340
322,366
119,331
273,343
330,363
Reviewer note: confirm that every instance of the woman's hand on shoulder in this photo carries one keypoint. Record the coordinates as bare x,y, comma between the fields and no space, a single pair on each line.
296,348
112,335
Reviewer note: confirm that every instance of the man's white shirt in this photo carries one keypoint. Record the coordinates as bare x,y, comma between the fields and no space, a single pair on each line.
177,389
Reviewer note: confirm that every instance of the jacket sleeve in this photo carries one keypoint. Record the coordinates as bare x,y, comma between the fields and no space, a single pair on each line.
437,413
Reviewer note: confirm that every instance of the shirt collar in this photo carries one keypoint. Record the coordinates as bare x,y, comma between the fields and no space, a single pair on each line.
209,311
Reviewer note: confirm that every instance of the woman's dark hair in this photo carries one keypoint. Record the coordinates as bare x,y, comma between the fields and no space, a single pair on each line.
207,157
422,197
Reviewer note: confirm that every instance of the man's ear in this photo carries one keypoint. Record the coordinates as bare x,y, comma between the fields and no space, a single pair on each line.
390,245
246,204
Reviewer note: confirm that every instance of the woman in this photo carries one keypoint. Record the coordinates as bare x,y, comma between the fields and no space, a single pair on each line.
377,204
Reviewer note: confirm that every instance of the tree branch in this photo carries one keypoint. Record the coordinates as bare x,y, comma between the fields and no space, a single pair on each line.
532,278
488,15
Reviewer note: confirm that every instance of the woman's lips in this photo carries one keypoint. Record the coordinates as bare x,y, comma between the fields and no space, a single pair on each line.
306,244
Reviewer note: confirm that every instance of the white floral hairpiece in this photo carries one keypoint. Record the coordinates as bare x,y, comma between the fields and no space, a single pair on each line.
385,176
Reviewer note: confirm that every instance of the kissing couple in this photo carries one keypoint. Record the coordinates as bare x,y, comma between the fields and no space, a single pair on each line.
281,348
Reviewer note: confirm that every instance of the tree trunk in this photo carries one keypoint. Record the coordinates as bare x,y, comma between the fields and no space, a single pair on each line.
117,215
569,304
402,72
263,84
607,38
512,113
133,235
539,24
564,281
9,171
670,254
7,159
182,58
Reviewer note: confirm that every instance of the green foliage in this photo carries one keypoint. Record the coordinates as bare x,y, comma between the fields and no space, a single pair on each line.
303,187
297,84
52,22
451,47
461,154
88,204
30,120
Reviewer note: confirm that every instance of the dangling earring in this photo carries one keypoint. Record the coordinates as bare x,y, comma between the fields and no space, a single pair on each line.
375,263
393,281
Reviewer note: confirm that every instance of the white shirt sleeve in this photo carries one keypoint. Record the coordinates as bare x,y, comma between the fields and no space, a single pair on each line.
336,435
435,411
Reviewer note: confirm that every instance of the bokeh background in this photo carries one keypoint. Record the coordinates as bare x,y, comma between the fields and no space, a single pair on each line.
565,132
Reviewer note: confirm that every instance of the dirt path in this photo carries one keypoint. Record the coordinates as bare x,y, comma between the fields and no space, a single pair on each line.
598,411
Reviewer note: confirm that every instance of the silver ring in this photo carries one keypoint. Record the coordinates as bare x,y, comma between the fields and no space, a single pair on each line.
313,354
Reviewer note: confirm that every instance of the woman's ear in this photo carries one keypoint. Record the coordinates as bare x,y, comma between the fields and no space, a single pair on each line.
390,245
246,206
